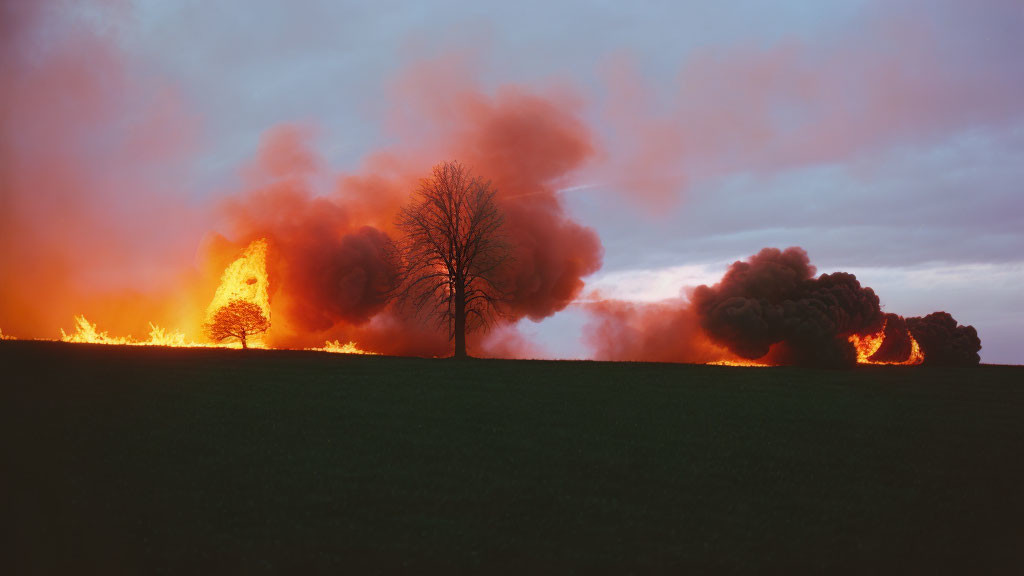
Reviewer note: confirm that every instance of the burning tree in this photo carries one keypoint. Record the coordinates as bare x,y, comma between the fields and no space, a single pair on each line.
453,251
237,319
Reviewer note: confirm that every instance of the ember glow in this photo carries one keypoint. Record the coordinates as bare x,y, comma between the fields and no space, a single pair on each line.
244,279
742,363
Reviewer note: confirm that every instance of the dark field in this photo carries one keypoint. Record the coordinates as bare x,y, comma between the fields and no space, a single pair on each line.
171,460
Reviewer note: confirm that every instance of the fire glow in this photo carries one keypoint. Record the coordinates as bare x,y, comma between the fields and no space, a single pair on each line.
88,333
740,363
867,347
336,347
244,279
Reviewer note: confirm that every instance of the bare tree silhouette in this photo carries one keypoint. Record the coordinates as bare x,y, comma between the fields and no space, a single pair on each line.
237,319
453,250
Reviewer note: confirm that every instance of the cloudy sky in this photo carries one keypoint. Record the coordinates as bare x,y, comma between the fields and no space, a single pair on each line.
885,138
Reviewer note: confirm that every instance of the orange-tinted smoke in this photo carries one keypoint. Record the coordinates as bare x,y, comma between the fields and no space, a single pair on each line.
527,145
325,265
893,75
330,263
666,331
770,307
92,212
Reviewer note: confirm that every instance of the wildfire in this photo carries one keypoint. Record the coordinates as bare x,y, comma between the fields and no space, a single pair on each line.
88,333
336,347
744,363
866,346
245,279
869,344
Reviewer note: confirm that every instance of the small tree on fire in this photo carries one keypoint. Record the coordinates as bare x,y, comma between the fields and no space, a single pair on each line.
453,250
237,319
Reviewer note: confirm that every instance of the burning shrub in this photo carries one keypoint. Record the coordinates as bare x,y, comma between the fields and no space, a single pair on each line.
238,319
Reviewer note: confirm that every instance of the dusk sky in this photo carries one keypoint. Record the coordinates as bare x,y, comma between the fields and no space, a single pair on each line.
884,138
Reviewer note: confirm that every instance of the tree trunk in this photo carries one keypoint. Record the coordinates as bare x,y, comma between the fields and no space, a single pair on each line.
460,320
244,346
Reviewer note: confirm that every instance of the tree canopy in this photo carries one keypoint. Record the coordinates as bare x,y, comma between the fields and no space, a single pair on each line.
453,251
237,319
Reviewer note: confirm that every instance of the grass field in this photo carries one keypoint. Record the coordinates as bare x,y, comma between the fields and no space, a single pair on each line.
170,460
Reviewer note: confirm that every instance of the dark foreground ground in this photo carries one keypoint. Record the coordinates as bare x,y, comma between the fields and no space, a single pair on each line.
162,460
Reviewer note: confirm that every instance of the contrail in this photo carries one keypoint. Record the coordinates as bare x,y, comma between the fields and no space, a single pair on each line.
560,191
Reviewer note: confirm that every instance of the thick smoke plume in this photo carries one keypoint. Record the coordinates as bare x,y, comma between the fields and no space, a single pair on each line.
941,339
774,298
97,151
772,308
92,221
944,342
331,258
325,265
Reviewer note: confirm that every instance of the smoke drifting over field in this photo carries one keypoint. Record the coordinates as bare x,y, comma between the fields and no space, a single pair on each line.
98,214
331,265
650,332
82,217
774,298
771,307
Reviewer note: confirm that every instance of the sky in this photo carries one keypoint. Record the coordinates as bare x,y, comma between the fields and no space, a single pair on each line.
884,138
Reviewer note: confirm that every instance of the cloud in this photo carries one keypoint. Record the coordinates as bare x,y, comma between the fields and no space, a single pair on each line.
894,77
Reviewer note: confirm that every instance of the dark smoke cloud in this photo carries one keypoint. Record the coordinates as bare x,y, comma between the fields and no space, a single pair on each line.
772,308
774,298
348,280
944,342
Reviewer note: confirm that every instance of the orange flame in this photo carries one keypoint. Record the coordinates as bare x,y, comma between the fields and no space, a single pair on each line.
868,345
88,333
336,347
244,279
